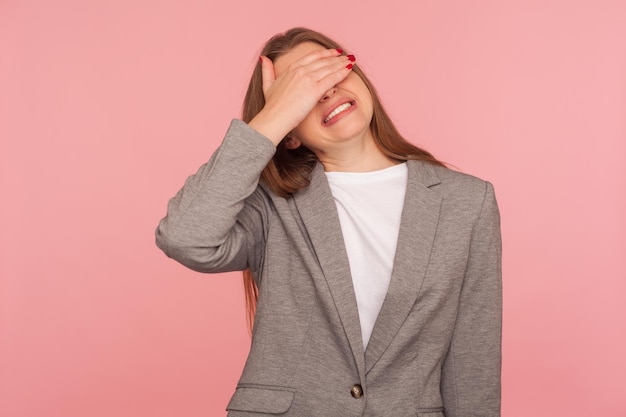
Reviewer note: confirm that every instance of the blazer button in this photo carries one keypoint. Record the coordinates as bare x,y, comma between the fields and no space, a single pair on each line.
356,391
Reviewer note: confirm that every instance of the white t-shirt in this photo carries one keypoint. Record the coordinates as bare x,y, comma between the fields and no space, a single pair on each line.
370,206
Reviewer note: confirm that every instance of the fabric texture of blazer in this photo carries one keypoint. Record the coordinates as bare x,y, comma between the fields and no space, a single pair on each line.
435,349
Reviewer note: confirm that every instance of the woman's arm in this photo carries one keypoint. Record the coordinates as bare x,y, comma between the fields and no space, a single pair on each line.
216,221
470,381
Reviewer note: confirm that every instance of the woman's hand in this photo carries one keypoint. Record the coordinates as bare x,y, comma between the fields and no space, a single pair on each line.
291,94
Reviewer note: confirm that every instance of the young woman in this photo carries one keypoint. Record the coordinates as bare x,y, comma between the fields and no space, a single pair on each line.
373,272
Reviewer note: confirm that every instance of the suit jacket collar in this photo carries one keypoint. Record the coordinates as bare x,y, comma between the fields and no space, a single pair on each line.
418,225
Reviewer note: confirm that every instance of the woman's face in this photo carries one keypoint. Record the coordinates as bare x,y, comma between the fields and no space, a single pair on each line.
349,105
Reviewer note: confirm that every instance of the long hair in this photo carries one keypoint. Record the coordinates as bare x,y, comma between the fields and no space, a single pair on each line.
290,169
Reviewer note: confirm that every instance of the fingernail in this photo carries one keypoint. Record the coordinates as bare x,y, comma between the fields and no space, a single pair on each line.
349,66
352,58
340,50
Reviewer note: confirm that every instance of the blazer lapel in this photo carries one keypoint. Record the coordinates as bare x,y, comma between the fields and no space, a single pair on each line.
418,226
318,212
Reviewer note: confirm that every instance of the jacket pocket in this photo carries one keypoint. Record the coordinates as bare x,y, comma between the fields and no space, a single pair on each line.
266,399
430,412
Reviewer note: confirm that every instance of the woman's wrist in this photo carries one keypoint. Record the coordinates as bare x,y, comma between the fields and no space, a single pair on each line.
271,127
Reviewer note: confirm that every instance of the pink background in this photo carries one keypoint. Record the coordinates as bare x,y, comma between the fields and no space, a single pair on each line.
107,106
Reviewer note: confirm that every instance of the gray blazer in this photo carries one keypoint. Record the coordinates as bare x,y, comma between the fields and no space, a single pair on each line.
435,349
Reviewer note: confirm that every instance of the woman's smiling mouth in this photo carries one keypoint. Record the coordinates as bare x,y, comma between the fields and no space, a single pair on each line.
338,110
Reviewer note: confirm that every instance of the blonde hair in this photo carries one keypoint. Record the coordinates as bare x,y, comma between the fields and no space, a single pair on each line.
290,169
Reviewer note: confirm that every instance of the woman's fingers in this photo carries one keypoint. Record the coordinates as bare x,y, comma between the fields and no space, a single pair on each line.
317,65
314,79
320,54
333,72
267,72
307,81
320,63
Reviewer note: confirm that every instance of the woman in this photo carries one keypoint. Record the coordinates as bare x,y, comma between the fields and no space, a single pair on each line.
377,269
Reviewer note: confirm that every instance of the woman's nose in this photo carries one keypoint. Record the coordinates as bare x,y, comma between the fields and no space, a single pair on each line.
328,94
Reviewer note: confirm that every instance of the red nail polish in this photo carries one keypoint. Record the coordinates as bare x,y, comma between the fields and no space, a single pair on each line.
349,66
352,58
340,50
260,59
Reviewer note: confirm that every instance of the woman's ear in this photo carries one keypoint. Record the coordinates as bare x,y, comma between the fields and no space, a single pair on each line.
292,143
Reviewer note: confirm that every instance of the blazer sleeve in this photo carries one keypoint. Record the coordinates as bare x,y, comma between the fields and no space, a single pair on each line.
216,222
470,381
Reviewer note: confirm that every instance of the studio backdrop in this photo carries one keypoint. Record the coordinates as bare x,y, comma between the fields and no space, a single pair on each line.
107,106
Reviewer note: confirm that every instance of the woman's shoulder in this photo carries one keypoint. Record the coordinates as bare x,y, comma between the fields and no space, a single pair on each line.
436,174
463,196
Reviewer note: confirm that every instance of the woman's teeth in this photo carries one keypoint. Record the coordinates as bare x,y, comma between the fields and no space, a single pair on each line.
337,111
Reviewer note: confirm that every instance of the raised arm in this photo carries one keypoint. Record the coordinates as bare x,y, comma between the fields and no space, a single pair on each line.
215,222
